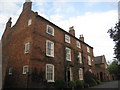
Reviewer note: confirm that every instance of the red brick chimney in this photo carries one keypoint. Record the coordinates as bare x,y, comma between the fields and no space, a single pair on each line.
27,5
81,38
72,31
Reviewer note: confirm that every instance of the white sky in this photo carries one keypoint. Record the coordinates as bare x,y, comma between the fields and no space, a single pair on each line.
92,19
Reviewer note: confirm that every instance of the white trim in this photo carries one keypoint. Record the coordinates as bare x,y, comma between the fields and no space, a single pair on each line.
10,71
80,57
27,47
25,71
67,38
89,60
88,49
78,44
69,53
80,73
52,30
29,22
52,73
52,48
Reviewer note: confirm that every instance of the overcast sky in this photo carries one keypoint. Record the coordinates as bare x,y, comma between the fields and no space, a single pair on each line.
92,18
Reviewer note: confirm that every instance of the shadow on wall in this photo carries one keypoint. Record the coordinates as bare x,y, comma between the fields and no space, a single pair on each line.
0,65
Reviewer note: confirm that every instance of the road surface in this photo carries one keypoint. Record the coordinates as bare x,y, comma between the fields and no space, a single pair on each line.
111,84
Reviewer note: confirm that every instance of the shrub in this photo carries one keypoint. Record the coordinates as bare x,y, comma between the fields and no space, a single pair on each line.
60,84
98,82
79,84
71,84
86,85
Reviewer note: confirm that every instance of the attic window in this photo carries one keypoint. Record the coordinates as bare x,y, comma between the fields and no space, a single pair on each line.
29,22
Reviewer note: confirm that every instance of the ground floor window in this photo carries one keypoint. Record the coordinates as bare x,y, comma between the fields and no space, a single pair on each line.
50,73
80,74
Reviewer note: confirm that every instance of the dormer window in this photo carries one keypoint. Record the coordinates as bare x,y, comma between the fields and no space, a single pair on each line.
50,30
29,22
67,38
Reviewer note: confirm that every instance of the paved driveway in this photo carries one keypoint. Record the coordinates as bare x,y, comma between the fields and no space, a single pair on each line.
111,84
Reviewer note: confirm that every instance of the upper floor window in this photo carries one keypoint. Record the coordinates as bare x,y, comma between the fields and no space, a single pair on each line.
78,44
25,69
27,47
80,57
50,30
88,49
29,22
68,54
10,71
89,60
80,74
67,38
50,73
49,48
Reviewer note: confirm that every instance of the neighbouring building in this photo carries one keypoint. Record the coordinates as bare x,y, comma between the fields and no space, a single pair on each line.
101,67
35,49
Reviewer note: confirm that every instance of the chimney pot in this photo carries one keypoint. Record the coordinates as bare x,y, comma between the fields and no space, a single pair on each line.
72,31
81,37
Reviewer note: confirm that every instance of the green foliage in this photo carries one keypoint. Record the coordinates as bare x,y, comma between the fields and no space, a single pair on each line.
98,81
90,78
71,84
114,68
79,84
115,35
60,84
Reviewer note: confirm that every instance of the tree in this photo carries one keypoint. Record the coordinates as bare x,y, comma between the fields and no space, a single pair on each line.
115,35
114,68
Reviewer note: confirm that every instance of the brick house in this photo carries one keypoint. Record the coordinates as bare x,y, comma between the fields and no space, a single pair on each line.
102,68
35,45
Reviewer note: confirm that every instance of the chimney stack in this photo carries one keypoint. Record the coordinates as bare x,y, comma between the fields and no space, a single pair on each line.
81,37
72,31
27,5
9,23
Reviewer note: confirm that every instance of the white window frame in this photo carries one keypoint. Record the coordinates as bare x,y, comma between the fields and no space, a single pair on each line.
88,49
52,48
29,22
67,38
25,71
10,71
80,57
90,70
71,74
68,54
48,73
89,60
27,47
48,26
78,44
80,73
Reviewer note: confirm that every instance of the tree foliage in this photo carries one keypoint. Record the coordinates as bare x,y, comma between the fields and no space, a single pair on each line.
115,35
113,68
